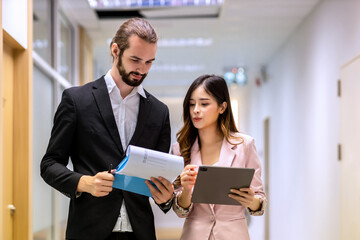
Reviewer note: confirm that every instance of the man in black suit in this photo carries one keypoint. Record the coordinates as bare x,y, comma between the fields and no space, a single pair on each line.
93,126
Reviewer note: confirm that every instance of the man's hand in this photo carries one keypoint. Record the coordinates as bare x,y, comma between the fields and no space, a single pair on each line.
164,192
99,185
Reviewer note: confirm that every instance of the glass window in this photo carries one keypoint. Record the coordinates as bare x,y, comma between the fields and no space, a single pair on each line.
64,48
42,29
50,207
43,92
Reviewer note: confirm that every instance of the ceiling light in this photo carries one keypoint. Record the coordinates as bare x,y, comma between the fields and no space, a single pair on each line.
235,75
177,68
137,4
185,42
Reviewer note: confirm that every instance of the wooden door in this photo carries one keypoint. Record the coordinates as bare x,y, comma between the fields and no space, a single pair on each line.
15,132
350,150
8,207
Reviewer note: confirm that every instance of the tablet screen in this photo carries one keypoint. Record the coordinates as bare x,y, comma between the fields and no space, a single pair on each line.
213,184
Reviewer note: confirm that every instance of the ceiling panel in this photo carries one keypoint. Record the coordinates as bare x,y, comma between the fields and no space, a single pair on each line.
247,32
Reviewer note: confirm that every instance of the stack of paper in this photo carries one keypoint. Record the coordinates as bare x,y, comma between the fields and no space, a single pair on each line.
140,164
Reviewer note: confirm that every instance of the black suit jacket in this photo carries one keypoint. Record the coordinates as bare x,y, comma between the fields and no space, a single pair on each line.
85,130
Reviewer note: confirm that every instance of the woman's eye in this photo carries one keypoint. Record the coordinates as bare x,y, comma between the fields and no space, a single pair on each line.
191,104
135,60
204,104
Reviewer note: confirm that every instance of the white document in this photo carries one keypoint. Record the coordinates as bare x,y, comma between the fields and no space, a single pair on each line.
146,163
141,164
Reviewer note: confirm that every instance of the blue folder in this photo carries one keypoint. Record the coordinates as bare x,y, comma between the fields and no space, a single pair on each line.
130,183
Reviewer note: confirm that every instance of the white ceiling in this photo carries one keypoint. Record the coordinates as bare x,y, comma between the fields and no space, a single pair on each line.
247,33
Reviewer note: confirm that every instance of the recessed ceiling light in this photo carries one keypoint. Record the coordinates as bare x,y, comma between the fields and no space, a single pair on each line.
185,42
131,4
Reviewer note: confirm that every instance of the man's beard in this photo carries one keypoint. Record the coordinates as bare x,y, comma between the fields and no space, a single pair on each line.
126,76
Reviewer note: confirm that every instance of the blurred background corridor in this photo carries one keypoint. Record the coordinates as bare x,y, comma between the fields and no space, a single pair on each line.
292,68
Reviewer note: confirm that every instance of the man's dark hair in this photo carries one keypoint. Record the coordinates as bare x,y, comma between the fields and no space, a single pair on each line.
138,26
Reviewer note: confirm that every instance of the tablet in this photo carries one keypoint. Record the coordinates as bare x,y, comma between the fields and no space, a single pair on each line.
213,184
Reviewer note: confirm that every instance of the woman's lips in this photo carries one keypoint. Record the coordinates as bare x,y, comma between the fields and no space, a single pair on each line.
196,119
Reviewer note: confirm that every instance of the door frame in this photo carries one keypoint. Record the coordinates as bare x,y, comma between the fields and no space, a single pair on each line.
349,133
1,130
8,142
267,175
22,133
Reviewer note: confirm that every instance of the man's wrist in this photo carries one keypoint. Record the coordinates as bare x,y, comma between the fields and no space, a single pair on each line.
169,202
82,184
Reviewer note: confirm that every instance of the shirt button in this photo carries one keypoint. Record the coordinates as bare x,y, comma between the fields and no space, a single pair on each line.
212,218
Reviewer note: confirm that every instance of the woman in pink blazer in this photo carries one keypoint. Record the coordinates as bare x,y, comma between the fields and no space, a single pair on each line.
209,137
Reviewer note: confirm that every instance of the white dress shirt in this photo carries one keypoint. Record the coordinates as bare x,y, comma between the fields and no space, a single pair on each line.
125,112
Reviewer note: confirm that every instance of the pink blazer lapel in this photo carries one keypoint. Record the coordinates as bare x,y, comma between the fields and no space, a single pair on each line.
195,154
227,154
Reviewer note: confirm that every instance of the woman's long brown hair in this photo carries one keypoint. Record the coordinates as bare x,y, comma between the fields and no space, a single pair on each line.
216,87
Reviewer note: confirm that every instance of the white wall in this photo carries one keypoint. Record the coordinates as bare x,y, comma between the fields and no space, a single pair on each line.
14,19
300,97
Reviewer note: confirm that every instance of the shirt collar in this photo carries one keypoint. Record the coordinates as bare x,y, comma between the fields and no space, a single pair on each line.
110,84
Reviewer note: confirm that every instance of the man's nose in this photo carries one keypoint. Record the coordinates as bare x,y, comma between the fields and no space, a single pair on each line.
141,69
138,70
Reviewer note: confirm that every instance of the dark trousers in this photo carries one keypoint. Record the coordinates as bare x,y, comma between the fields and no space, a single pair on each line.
121,236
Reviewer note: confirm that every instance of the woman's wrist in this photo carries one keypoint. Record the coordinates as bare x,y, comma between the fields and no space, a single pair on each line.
185,192
184,199
255,205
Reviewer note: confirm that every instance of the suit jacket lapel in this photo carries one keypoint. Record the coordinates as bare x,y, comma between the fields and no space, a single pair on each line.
195,153
102,100
144,110
227,154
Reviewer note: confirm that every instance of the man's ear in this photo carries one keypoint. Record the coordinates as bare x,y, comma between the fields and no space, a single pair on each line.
223,107
115,50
